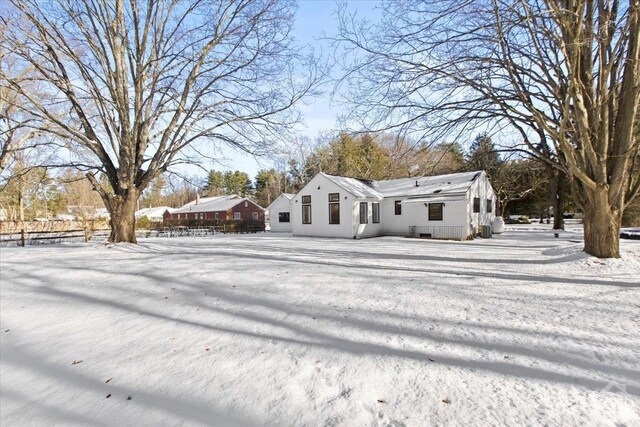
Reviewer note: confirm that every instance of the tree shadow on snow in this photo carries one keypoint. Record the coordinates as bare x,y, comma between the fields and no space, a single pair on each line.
21,358
290,326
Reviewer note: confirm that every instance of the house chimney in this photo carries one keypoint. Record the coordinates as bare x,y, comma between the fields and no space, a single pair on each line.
197,199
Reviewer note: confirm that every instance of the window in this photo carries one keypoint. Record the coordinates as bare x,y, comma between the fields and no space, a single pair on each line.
364,213
334,208
246,204
334,213
216,215
476,204
306,209
178,216
398,207
375,211
435,211
306,214
283,217
489,206
237,215
254,215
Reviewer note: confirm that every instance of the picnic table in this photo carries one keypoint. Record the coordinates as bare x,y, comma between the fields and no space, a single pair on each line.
215,229
199,231
180,230
164,232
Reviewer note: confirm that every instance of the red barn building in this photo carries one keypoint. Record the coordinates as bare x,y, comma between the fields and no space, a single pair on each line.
217,211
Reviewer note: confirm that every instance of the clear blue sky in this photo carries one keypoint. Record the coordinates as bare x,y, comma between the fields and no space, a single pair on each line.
315,18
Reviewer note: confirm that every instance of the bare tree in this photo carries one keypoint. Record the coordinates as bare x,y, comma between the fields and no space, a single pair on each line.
517,180
564,74
15,133
140,82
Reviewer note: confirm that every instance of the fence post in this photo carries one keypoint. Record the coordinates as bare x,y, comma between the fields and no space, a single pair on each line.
22,225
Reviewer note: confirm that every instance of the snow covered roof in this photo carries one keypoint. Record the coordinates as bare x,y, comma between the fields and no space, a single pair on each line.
211,204
436,199
358,187
211,199
287,196
153,212
441,185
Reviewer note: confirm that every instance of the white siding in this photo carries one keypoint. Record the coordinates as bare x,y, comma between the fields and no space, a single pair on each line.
281,204
482,189
319,189
417,214
369,229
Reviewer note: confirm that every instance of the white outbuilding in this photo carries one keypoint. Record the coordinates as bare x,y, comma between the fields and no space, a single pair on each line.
153,214
454,206
280,213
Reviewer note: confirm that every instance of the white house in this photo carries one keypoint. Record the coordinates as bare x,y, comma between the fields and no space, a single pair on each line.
452,206
280,213
153,214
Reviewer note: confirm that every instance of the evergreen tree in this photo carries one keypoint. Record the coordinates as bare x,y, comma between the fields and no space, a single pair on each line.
269,185
215,184
483,156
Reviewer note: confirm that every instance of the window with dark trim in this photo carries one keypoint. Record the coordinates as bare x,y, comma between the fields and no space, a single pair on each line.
436,211
306,214
334,197
489,206
375,212
334,213
398,207
476,204
284,217
364,213
306,209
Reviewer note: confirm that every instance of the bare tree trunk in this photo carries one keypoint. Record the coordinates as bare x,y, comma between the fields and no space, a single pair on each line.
123,221
601,226
502,207
556,195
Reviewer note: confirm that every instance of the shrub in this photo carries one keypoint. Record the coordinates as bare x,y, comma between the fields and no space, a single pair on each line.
143,223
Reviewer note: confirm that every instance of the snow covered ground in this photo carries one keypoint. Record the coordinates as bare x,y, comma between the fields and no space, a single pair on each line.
521,329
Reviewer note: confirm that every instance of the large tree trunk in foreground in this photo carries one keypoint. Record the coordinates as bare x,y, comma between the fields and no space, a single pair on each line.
601,226
566,70
132,84
123,221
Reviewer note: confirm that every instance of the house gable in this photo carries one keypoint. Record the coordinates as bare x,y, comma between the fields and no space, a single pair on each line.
313,202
